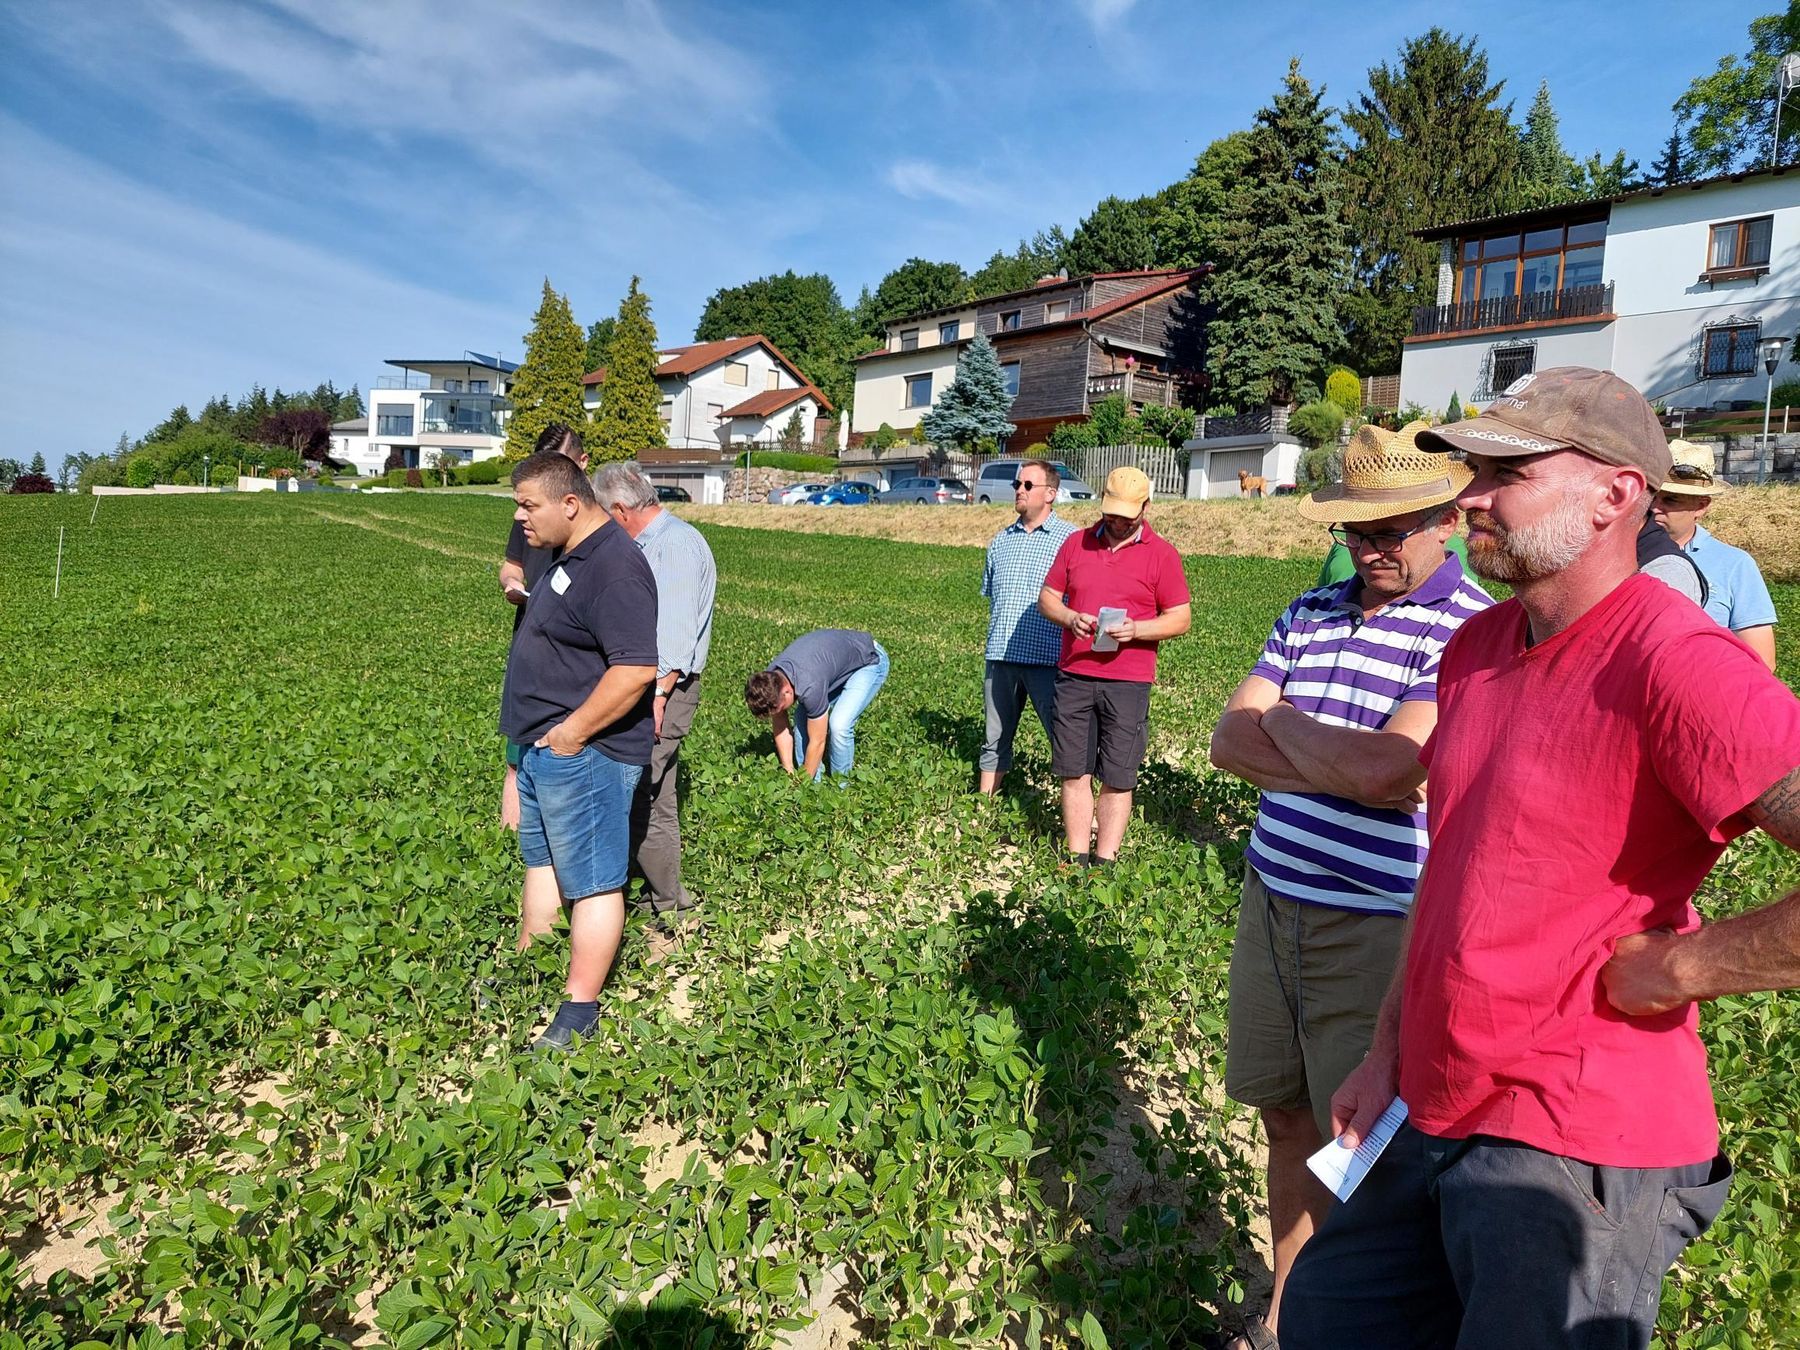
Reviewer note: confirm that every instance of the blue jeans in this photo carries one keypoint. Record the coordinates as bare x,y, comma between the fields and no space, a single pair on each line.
1005,687
1487,1244
840,727
575,817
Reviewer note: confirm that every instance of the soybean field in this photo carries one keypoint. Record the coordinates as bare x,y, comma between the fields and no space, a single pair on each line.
263,1077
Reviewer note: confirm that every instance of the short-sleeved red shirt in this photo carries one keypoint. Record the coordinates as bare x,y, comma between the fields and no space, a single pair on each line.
1143,577
1580,790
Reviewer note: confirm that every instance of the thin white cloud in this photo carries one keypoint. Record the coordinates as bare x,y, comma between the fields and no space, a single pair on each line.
1102,14
921,180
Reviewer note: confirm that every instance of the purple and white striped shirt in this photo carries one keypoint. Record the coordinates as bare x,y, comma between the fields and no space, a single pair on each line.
1347,671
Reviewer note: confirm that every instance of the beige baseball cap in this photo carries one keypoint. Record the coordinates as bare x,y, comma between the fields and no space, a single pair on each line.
1564,408
1126,493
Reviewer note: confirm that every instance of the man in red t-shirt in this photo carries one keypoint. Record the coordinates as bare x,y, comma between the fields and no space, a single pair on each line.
1103,678
1599,742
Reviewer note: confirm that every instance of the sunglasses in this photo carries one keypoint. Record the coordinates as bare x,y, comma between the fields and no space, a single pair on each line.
1021,483
1690,473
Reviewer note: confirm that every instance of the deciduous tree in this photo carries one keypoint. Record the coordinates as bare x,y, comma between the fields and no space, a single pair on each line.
630,400
1190,214
1035,258
1118,235
801,315
913,287
547,385
1282,258
1726,118
305,431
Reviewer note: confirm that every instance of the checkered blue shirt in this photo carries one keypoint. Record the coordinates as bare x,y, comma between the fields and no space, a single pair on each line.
1017,562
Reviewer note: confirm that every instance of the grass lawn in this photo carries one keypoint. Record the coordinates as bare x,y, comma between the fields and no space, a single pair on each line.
261,1031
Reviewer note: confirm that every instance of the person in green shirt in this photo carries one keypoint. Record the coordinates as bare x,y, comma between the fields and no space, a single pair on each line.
1338,565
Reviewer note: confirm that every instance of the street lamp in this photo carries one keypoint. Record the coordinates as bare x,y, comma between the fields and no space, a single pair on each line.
1772,348
206,471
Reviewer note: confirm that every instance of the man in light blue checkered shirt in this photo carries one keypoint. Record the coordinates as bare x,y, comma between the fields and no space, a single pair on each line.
1022,646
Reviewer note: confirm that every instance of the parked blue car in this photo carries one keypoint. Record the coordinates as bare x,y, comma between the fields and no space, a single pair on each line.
844,494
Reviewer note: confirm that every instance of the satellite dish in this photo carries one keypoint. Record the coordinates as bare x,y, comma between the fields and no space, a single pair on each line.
1790,72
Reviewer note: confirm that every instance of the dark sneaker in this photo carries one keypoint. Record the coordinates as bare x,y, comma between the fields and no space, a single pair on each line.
568,1023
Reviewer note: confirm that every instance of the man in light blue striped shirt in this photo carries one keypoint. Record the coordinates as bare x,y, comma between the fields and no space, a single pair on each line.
686,581
1022,645
1329,724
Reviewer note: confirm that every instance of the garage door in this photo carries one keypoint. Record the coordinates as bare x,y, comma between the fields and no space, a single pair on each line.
1222,470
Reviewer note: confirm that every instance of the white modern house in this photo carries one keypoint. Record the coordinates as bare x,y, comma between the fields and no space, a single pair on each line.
350,443
1675,289
723,393
456,406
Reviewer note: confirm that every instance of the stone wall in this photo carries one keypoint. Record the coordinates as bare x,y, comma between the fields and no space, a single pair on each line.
763,481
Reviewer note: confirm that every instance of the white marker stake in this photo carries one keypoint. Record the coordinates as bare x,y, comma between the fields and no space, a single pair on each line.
96,510
56,594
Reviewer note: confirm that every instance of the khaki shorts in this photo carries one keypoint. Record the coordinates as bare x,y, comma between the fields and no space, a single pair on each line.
1306,984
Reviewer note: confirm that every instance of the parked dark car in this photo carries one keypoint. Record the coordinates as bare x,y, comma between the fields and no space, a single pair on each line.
932,491
666,492
844,494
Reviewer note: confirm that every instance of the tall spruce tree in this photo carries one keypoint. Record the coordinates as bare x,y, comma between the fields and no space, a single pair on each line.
630,400
1431,143
1546,172
1283,252
975,405
547,385
1670,169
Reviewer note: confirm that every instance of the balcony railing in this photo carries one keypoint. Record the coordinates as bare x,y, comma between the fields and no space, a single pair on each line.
486,425
1513,311
1138,386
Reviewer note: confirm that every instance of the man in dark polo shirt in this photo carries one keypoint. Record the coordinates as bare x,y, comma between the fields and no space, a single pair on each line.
578,699
519,572
1103,679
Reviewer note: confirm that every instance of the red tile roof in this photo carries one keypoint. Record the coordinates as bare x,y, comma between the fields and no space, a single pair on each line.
772,401
697,356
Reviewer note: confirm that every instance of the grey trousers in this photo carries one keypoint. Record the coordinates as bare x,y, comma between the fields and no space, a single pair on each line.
655,812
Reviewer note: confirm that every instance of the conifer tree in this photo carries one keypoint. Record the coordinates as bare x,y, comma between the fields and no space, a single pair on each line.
1545,169
546,387
1669,170
630,400
975,405
1283,252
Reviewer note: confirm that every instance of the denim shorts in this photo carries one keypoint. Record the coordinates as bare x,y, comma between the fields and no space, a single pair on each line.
575,816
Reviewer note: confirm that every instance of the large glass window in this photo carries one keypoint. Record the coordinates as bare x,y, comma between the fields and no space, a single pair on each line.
918,391
949,331
1010,320
909,340
394,423
1529,262
1010,374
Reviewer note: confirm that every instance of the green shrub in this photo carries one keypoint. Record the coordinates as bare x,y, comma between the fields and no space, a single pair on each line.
1316,424
1787,394
1317,468
482,473
1112,422
883,438
182,478
780,459
1454,412
413,478
326,480
1167,426
1068,437
396,478
1344,389
140,472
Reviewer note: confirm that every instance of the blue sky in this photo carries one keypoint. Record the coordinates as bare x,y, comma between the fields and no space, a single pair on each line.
197,196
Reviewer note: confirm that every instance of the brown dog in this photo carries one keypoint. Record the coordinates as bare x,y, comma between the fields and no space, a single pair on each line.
1252,484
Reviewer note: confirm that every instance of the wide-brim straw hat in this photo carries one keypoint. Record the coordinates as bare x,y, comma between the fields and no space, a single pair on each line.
1386,474
1694,472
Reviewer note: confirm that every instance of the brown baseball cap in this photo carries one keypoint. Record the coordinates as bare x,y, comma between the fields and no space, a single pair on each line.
1564,408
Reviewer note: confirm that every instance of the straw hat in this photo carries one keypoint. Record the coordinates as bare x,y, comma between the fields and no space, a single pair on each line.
1692,474
1386,474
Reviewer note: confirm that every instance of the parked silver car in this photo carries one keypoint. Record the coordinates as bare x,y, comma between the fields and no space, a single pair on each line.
995,483
795,494
933,491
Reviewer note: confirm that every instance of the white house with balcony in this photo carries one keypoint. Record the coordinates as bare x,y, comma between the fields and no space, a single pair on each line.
1674,289
457,407
728,392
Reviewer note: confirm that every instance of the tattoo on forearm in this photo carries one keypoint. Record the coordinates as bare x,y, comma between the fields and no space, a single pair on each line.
1778,810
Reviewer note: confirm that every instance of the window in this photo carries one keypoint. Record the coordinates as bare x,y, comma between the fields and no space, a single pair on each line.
393,424
1055,310
909,339
453,386
1530,262
1739,245
1009,372
478,386
1729,349
1509,364
949,331
918,391
716,411
736,372
1009,320
774,379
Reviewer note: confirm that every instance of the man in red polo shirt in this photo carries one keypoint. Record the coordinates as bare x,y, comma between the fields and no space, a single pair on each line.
1599,741
1103,678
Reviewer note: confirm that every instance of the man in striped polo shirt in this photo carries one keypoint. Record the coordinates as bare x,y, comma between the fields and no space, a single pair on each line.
1022,645
1329,725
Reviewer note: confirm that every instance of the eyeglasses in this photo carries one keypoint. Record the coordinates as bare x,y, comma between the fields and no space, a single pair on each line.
1690,473
1021,483
1386,541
